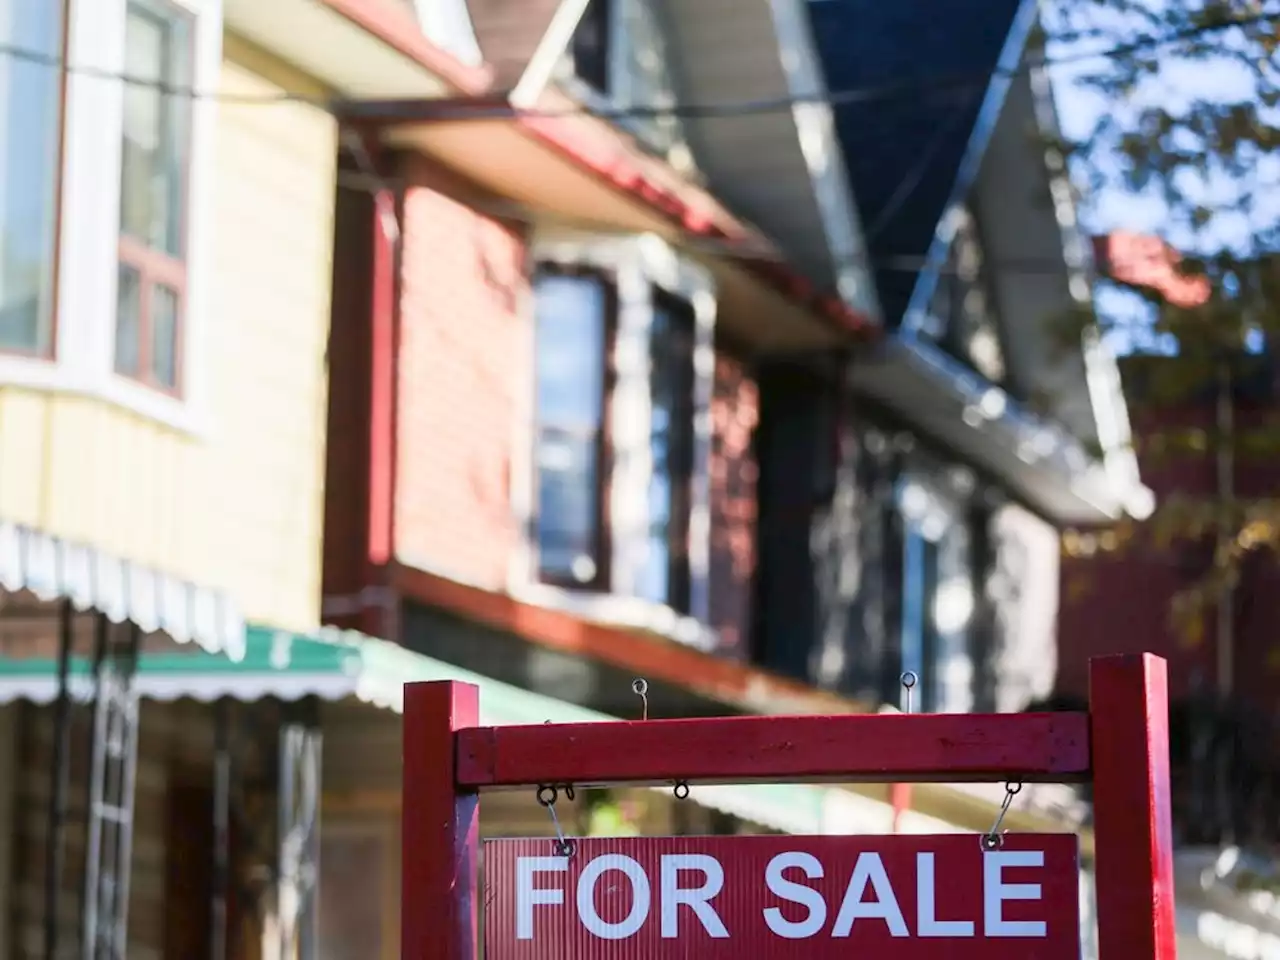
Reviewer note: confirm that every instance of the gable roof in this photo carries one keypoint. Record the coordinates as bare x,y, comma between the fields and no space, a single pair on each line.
913,143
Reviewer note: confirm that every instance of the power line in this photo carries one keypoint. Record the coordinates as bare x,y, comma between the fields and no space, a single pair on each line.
452,111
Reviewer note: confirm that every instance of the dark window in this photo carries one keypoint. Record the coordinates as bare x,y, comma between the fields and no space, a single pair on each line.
963,305
572,330
590,46
666,576
30,105
153,202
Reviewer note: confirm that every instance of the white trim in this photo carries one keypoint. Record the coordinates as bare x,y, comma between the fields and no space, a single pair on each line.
448,24
549,53
90,223
824,158
638,264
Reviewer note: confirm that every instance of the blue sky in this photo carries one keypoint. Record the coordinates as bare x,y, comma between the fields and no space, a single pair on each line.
1177,82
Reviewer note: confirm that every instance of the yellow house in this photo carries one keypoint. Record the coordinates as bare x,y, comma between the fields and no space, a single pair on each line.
166,239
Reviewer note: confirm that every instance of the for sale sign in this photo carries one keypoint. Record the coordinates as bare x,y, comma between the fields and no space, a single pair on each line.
782,898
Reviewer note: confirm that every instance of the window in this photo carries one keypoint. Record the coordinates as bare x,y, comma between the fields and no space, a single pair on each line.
30,101
665,577
963,309
590,47
620,56
153,188
572,330
582,467
937,600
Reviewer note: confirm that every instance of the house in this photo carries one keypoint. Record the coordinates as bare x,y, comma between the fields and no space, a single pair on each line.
1223,677
167,286
720,396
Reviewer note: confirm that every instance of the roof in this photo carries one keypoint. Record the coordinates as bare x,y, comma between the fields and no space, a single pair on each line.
906,151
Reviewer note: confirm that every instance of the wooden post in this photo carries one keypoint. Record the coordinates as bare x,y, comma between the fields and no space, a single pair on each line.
1133,835
439,830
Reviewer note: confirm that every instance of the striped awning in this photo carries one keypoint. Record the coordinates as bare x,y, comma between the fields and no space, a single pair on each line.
337,665
50,568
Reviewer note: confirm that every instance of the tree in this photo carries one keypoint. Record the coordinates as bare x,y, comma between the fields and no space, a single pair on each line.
1186,103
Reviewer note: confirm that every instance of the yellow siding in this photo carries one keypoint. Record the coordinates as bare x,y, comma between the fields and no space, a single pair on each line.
238,507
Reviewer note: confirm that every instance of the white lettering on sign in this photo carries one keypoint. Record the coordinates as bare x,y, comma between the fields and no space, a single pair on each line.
676,890
927,922
591,875
811,899
869,869
697,899
528,896
995,892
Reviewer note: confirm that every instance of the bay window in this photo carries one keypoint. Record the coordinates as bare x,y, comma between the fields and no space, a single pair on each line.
31,105
572,332
619,472
151,289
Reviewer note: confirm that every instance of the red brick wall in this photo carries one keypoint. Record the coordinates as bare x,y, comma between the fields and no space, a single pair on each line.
734,411
464,368
1120,602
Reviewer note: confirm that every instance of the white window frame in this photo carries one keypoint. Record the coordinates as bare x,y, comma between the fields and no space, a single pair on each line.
84,345
638,265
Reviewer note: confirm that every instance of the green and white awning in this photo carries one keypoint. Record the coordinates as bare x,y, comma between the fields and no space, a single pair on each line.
50,568
337,665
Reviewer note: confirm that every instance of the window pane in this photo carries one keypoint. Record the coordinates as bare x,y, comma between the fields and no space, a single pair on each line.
30,94
671,449
570,407
154,150
591,46
164,336
129,322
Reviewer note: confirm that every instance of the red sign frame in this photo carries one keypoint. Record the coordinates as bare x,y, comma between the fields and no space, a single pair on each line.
1121,747
912,897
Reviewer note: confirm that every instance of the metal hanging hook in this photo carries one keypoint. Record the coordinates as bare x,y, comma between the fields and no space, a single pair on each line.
909,681
992,839
547,796
640,687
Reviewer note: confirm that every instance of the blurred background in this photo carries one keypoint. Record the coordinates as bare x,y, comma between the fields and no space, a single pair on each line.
766,350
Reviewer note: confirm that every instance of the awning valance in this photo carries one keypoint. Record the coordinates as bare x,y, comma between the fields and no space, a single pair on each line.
50,568
336,665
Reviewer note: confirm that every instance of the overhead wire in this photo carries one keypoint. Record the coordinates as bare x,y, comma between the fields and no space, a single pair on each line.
455,110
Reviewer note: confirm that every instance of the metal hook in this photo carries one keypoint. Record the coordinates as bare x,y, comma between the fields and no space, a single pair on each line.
992,839
640,687
909,681
547,795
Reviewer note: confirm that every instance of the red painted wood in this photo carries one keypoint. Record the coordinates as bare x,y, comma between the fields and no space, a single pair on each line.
851,747
742,920
382,402
1133,824
439,829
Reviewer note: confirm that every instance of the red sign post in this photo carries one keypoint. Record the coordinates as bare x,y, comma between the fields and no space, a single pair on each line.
780,898
899,898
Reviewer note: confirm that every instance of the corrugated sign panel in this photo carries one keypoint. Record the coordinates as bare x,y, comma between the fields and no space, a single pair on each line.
784,898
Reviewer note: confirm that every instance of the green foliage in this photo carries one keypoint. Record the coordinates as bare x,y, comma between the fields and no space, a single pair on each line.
1190,91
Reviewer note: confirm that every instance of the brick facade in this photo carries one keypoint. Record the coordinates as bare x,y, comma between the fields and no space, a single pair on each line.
464,366
735,411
